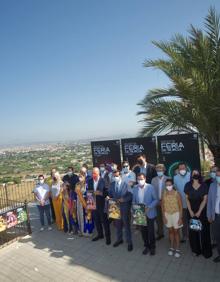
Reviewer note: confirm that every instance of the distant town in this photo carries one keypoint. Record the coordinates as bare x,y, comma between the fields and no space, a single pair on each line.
24,163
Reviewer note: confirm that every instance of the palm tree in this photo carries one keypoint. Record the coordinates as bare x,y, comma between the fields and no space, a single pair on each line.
192,102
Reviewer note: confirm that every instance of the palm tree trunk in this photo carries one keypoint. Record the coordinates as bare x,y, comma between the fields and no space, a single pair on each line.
215,149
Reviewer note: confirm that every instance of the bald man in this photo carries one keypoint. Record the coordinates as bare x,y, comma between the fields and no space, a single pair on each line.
97,184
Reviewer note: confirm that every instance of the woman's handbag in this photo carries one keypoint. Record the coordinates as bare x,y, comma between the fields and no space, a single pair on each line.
195,224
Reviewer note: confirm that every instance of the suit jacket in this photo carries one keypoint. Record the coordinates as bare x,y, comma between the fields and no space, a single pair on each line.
106,179
155,183
100,200
212,195
150,199
151,172
124,193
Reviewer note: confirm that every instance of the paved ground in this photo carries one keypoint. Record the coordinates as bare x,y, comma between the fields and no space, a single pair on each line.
54,256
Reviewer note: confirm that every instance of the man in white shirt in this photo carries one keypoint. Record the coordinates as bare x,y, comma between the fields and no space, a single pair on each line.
41,192
213,210
127,175
159,185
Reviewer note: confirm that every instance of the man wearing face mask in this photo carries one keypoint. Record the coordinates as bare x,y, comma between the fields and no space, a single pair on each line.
159,183
144,167
105,175
120,192
128,176
212,176
213,210
180,180
71,178
97,184
41,192
113,167
144,193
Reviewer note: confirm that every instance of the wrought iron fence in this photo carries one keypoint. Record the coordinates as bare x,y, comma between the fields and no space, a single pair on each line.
14,215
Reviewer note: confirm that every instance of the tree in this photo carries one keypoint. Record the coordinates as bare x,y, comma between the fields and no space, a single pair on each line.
192,102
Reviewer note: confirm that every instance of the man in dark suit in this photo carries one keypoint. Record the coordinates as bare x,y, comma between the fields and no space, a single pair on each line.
144,167
121,192
97,184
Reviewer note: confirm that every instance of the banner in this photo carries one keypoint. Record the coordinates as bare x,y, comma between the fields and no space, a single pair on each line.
132,147
173,149
106,152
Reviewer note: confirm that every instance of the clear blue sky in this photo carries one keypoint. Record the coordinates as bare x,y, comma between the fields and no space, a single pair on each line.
73,69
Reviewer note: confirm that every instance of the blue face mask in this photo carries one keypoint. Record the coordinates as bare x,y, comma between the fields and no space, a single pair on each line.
160,173
213,175
218,179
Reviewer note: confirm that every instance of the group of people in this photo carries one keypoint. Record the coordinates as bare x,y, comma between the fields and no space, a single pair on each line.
186,202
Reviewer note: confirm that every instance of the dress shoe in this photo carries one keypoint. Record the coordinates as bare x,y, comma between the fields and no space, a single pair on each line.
108,242
117,243
97,238
152,252
130,247
217,259
145,251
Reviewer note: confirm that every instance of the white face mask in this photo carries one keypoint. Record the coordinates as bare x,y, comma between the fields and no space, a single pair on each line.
182,172
70,173
102,169
169,187
141,182
117,178
126,169
41,181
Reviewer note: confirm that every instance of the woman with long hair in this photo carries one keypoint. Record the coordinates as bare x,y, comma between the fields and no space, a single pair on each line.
196,198
56,193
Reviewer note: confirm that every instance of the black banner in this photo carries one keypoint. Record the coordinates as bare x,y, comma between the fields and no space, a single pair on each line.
106,152
132,147
173,149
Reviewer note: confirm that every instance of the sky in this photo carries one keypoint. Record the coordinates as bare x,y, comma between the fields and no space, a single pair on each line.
73,69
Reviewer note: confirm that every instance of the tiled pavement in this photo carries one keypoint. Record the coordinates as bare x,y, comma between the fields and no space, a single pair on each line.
55,256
